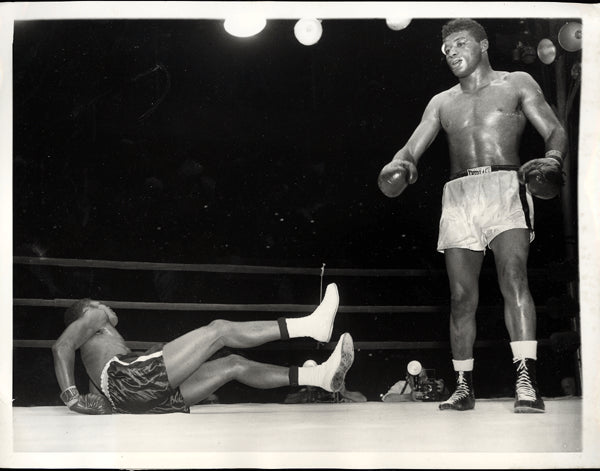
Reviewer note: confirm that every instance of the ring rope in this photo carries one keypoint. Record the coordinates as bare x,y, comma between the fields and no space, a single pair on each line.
237,269
304,345
224,307
216,268
152,306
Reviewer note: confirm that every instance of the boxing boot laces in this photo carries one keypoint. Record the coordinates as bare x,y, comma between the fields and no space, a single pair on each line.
463,397
527,396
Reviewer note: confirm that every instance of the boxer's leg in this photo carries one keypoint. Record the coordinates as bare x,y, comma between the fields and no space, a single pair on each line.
213,374
463,267
185,354
511,250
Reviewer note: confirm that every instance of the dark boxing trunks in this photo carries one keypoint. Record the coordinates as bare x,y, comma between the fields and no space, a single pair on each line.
138,384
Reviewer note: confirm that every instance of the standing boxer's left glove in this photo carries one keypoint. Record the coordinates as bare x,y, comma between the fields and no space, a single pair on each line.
91,404
543,177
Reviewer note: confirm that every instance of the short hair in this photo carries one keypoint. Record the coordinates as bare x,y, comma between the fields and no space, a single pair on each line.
75,310
464,24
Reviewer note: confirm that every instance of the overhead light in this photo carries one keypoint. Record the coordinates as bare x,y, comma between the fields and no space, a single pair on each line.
546,51
396,24
308,31
569,36
244,26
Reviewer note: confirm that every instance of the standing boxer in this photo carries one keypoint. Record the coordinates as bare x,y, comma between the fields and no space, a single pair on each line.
487,202
174,376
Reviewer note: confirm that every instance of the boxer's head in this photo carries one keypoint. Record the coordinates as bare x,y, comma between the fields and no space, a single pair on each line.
464,24
77,309
465,45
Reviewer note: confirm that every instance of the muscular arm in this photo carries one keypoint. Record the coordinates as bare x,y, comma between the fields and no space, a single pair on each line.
423,135
75,335
543,175
402,169
539,113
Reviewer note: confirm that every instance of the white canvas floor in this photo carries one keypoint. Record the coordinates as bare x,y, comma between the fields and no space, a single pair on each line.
346,427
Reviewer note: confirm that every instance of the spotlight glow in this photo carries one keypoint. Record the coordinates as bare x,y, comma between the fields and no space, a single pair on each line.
546,51
308,31
414,368
570,37
396,24
244,26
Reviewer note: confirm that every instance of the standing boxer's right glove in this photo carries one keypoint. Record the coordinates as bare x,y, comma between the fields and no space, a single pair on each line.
396,176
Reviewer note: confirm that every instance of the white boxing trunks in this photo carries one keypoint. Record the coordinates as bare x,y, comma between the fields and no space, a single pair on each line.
479,205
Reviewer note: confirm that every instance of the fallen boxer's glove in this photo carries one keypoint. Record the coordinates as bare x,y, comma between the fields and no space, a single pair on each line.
543,177
90,404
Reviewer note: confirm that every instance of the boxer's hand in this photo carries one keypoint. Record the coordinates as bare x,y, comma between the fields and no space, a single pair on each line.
396,176
91,404
543,177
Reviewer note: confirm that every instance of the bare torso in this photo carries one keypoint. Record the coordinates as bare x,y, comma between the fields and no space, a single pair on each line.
105,344
483,127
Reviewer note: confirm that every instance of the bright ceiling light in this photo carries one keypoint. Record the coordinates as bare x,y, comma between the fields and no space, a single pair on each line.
308,31
570,37
396,24
244,26
546,51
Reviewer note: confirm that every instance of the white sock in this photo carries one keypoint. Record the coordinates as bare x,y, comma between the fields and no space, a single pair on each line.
524,349
310,375
319,324
463,365
327,375
299,326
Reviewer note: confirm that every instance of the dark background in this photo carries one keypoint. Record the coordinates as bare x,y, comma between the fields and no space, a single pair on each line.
172,141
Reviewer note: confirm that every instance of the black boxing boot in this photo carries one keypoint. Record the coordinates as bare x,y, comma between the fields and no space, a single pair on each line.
463,397
527,395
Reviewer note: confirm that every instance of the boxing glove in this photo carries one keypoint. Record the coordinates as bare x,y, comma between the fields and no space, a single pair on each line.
90,404
396,176
543,177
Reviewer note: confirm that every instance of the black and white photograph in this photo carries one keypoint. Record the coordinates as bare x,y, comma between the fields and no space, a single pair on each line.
300,234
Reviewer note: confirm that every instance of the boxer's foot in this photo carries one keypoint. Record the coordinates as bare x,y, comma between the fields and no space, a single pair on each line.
319,324
338,364
330,375
463,397
527,396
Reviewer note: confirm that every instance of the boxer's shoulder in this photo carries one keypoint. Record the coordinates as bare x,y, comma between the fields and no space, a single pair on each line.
443,99
449,94
519,80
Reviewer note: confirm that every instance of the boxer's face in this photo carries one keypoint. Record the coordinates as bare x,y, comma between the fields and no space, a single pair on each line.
463,52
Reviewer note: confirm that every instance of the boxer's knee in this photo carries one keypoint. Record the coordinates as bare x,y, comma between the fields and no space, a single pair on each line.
237,365
463,302
219,330
512,279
